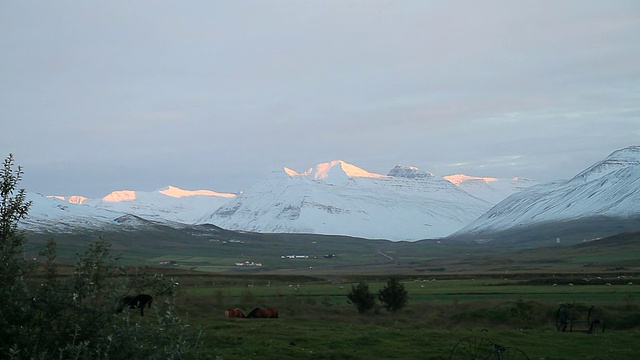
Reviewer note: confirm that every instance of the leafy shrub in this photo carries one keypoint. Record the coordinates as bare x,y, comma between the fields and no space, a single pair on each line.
393,296
361,297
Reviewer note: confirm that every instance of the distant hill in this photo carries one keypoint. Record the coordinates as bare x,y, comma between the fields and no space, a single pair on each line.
624,239
212,249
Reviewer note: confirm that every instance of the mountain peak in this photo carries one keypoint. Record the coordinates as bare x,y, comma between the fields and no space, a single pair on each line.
324,170
631,153
342,199
120,195
409,172
619,159
333,170
73,199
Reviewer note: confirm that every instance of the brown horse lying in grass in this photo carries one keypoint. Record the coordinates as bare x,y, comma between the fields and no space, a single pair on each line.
263,313
234,313
136,302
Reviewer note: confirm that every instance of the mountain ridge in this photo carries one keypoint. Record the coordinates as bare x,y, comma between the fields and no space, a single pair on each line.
338,198
341,199
402,190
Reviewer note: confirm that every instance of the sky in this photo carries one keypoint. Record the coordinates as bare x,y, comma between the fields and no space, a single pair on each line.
97,96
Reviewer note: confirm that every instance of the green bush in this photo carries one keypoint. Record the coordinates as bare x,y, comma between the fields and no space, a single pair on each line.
361,297
393,296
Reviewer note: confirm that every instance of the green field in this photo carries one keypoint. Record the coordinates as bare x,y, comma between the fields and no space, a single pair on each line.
317,323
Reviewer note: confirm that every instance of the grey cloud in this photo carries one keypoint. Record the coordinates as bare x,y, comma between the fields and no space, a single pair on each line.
216,94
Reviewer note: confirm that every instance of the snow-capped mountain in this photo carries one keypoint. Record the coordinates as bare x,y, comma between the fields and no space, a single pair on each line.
330,198
342,199
170,204
55,215
609,188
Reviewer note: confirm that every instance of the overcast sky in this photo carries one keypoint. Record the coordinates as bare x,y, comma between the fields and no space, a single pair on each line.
97,96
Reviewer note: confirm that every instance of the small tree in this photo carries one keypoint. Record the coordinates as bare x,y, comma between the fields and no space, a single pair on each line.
14,295
361,297
393,296
13,208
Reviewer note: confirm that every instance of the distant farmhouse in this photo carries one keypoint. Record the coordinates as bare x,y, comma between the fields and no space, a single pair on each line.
294,256
248,263
328,256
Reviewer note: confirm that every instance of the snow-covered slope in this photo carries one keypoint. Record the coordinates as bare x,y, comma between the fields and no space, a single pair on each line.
342,199
52,214
610,187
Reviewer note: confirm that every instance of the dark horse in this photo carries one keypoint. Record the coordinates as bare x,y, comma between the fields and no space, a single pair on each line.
263,313
136,302
234,313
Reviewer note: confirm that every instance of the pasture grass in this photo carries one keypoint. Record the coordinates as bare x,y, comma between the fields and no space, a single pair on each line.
316,322
310,338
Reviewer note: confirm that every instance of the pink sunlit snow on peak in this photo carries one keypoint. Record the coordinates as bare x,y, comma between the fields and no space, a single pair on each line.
77,199
171,191
323,170
178,193
120,195
461,178
292,172
74,199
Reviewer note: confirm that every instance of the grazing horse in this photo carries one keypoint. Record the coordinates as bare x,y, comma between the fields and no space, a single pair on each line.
136,302
263,313
234,313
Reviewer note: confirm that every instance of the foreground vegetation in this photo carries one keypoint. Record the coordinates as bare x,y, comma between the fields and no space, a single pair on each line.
317,322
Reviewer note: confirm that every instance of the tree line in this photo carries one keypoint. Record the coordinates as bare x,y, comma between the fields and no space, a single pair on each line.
393,296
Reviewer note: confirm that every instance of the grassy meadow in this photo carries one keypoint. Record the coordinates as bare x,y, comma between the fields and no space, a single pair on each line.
316,322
